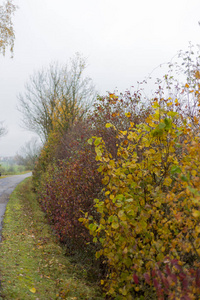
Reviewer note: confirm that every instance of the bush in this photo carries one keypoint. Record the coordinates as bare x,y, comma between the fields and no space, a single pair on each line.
66,174
144,221
151,205
67,189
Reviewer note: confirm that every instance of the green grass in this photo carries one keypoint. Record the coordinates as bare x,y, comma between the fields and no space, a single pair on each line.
11,169
32,262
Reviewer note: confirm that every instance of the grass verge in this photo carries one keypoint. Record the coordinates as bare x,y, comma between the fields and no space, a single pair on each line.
32,263
14,173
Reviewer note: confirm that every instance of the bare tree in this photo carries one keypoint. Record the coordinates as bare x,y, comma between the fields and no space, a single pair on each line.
3,129
55,97
28,154
7,35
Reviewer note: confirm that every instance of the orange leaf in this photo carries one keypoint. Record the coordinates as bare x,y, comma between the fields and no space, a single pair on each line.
197,74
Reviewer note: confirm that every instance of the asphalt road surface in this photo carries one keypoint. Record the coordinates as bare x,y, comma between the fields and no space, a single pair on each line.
7,185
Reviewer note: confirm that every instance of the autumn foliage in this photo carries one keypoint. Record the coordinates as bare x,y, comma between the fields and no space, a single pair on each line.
124,181
66,175
151,206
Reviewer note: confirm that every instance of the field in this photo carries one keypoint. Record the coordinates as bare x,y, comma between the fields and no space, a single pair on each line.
10,168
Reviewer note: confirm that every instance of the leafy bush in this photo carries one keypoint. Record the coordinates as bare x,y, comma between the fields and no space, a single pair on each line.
144,221
66,191
151,206
170,279
114,108
66,175
47,156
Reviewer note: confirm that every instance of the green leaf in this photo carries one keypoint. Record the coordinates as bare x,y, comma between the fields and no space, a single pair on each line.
143,224
90,141
92,227
115,225
110,219
122,215
157,132
97,141
161,125
175,169
168,123
172,114
194,191
97,255
184,178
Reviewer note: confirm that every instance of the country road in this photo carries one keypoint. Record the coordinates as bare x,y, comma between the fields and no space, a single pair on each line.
7,185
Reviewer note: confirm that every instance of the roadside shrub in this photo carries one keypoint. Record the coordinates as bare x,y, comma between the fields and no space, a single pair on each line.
151,205
66,191
46,157
144,221
174,281
119,110
67,167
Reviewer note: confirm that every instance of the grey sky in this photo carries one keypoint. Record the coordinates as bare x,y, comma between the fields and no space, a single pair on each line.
122,40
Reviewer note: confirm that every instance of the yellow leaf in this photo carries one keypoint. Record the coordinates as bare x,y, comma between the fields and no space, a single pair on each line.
113,97
123,132
128,115
196,120
33,290
196,213
121,215
108,125
169,103
197,74
187,85
194,172
167,181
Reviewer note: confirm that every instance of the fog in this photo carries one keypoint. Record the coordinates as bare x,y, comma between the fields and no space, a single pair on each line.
123,42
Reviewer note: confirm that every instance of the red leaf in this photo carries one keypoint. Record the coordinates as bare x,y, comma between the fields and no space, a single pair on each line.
156,284
166,285
185,284
147,278
168,270
135,278
153,273
198,277
174,278
182,276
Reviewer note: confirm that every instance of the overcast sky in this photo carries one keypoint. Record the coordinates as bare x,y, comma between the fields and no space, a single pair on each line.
123,40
